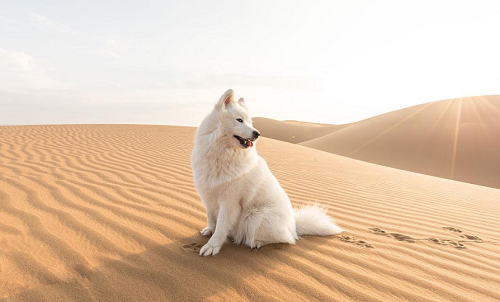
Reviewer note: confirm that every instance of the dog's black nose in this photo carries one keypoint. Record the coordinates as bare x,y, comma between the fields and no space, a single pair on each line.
256,134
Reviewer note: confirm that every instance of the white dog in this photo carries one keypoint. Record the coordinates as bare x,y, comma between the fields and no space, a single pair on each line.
242,197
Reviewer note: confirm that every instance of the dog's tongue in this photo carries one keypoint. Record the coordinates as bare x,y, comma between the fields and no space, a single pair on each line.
249,143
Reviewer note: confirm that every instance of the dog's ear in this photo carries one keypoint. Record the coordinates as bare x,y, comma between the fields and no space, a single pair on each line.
241,101
226,100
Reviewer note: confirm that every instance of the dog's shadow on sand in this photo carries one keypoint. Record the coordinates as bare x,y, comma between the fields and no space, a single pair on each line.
175,272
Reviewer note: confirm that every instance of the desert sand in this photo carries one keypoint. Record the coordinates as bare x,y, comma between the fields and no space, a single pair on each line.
110,213
293,131
455,139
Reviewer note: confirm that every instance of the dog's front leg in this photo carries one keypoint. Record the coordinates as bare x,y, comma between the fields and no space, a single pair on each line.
211,222
228,213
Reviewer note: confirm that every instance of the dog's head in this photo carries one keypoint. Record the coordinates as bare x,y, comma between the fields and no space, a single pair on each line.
235,124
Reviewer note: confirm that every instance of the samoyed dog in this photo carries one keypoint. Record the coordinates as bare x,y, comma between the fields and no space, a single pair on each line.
242,197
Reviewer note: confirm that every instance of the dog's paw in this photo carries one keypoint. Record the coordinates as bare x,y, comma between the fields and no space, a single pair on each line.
208,250
207,231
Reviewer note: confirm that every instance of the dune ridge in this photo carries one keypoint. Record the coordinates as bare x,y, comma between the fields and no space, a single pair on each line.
455,139
109,212
294,131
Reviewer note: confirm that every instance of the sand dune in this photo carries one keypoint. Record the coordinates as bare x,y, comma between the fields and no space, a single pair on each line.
293,131
455,139
306,123
109,213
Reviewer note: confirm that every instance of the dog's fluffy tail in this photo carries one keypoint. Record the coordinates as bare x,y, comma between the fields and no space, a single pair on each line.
312,220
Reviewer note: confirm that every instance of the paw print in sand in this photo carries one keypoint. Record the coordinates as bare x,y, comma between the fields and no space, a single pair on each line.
192,247
355,241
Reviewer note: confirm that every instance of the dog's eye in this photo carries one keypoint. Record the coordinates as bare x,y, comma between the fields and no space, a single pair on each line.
239,120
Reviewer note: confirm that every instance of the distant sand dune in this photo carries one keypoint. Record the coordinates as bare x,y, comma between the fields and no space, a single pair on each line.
293,131
456,139
110,213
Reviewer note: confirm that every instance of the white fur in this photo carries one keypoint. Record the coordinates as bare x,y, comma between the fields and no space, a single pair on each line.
242,198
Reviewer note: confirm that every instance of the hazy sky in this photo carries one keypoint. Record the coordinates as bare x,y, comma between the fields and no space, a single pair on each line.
167,62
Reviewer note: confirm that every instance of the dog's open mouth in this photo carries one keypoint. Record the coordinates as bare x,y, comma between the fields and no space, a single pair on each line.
244,142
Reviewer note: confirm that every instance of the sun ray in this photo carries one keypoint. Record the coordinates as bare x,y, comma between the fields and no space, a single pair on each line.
481,122
489,104
455,140
433,128
388,129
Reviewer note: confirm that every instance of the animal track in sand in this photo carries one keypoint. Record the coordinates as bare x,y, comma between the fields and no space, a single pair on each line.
355,241
192,247
455,244
397,236
453,229
459,244
470,238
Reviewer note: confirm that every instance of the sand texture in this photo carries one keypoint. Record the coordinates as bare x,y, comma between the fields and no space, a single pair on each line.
456,139
109,213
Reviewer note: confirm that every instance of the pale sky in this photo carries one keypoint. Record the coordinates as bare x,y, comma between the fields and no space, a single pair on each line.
167,62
